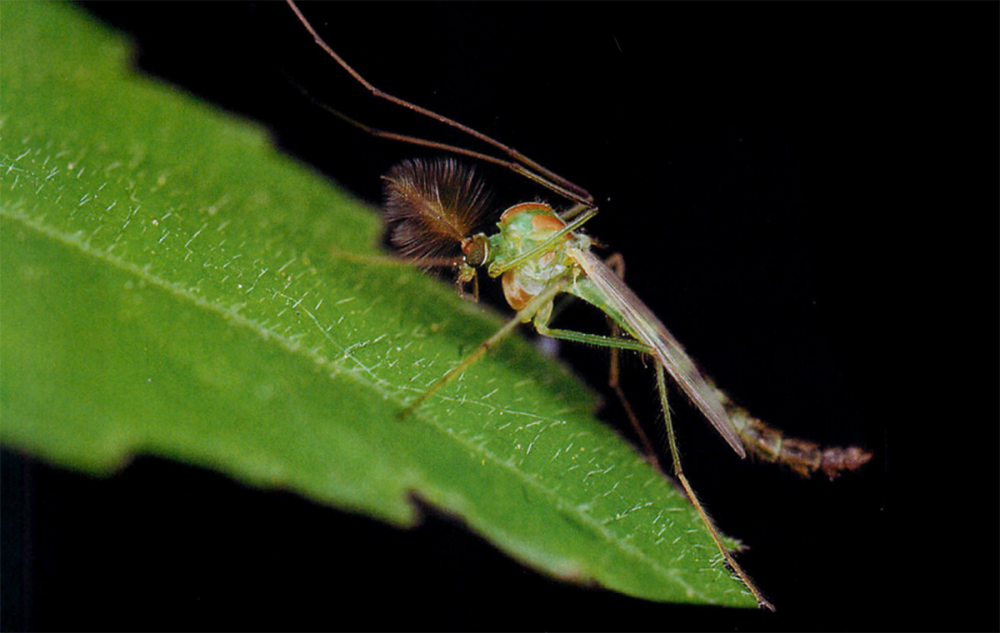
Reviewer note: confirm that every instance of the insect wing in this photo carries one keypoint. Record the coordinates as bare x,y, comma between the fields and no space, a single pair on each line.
644,326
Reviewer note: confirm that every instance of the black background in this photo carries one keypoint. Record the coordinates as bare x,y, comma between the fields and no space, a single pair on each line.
793,188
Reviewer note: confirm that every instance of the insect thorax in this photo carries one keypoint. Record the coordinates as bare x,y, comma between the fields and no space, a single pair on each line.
523,228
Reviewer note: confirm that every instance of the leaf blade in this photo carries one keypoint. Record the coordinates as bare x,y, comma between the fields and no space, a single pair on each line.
169,287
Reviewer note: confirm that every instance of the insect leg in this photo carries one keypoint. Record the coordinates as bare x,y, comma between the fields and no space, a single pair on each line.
679,473
617,263
613,343
519,163
525,314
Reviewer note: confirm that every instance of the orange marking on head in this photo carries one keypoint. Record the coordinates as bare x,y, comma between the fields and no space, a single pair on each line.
547,223
524,206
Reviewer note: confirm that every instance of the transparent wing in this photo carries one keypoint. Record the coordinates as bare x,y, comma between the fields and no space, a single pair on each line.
641,323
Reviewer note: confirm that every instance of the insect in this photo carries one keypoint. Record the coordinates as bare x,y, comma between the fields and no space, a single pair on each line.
436,212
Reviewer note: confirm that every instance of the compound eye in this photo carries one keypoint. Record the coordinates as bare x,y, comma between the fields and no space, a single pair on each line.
476,250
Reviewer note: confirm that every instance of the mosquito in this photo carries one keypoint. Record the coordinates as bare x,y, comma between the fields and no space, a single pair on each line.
540,253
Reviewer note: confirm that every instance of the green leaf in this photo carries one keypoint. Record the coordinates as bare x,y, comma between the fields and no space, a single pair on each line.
173,286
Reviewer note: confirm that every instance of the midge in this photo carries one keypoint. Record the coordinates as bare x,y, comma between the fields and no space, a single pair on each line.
435,208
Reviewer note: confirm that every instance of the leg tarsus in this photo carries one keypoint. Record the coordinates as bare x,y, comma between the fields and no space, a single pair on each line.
661,386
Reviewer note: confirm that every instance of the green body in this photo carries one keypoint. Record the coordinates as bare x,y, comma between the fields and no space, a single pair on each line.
533,251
